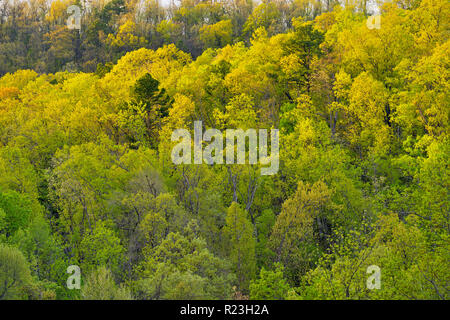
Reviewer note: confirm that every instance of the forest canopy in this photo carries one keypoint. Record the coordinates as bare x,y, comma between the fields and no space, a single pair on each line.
86,176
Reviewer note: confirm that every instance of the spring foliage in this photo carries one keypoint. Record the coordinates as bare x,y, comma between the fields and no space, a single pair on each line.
86,177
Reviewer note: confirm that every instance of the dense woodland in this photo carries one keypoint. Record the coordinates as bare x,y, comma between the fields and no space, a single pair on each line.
34,33
86,176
